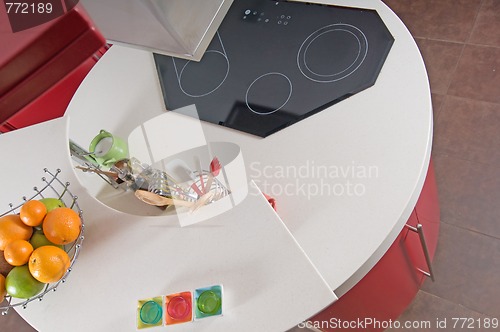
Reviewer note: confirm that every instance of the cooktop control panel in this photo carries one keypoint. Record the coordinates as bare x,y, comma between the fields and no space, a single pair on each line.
257,15
274,63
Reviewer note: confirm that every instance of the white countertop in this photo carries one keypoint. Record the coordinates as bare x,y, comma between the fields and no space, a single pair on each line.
126,258
377,142
384,131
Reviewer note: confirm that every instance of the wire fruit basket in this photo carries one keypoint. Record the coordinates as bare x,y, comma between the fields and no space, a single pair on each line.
52,187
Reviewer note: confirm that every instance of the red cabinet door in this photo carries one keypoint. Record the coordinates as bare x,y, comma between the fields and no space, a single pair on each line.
52,103
387,290
381,295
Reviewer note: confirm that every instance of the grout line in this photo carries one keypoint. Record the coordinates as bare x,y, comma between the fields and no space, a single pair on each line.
491,103
456,42
483,45
457,303
454,156
463,47
454,71
464,44
475,21
437,112
436,153
439,39
470,230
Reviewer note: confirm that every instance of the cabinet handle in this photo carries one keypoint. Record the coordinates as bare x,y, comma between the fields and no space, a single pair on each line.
420,231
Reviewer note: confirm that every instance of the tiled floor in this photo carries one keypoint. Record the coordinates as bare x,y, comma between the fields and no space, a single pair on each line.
460,43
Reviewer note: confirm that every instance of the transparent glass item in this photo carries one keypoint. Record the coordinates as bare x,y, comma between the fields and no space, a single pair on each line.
149,312
208,301
179,308
159,184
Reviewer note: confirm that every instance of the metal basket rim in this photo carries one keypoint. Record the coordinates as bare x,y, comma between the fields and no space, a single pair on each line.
74,248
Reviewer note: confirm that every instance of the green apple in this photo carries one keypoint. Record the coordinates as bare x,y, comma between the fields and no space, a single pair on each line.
21,284
38,239
52,203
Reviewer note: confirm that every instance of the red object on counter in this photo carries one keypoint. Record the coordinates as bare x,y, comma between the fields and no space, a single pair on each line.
179,308
271,201
49,62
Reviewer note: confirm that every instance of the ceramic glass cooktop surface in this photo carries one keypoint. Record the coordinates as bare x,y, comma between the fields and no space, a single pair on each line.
274,63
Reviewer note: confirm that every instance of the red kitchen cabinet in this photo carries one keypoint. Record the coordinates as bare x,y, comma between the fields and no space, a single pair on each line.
42,66
52,103
387,290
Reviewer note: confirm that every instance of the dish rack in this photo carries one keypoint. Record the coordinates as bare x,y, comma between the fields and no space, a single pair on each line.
52,187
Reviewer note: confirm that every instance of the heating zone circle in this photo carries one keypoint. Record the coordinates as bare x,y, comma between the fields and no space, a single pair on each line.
332,53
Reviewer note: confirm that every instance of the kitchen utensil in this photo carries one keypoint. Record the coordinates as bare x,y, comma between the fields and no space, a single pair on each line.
107,149
157,200
79,153
215,167
181,171
206,198
112,175
158,184
200,173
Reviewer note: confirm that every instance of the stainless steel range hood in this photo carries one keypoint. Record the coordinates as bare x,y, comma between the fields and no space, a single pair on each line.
180,28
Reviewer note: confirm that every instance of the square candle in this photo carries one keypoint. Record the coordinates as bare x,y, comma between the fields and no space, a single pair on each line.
208,301
149,312
179,308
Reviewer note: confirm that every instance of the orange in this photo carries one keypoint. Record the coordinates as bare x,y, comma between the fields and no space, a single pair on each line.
48,264
18,252
32,213
3,290
12,228
62,225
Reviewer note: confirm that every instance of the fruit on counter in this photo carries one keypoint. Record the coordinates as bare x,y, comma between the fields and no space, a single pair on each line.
18,252
38,239
12,228
32,246
3,291
48,264
20,283
32,213
4,266
62,225
52,203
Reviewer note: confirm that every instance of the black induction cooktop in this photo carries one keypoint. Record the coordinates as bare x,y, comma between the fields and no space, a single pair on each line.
274,63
